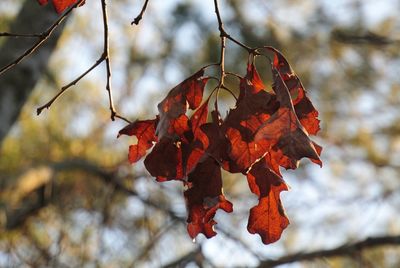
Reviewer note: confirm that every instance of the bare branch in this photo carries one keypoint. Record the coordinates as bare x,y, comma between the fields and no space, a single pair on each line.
346,249
64,88
5,34
43,37
104,57
140,16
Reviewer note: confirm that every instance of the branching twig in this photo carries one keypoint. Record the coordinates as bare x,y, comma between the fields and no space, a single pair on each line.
104,57
140,16
74,82
347,249
223,33
223,43
43,37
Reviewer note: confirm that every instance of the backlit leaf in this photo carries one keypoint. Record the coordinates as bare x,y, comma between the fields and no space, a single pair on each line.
268,218
305,111
189,93
204,197
145,134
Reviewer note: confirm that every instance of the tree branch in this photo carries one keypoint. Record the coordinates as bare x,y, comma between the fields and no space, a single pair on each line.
140,16
105,56
366,38
347,249
43,37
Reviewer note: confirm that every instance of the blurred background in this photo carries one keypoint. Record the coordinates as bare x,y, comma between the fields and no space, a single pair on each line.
69,198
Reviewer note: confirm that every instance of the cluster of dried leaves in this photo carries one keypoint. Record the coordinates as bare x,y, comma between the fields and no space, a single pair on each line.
265,130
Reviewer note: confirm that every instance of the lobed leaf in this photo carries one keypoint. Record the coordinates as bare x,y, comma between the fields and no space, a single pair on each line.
305,110
289,141
187,93
204,197
145,134
268,218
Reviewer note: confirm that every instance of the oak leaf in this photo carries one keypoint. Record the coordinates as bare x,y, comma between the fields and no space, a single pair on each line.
187,93
204,197
145,134
268,218
305,110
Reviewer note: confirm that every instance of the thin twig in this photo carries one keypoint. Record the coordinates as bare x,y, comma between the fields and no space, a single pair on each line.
221,62
106,54
64,88
234,75
230,91
104,57
223,42
46,34
140,16
223,33
249,49
5,34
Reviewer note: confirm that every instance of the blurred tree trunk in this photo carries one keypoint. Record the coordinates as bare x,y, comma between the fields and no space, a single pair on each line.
17,84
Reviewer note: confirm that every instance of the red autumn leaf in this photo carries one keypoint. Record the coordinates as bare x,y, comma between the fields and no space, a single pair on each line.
253,108
305,111
174,157
284,131
244,153
204,197
200,140
268,218
60,5
199,118
188,93
165,161
252,83
179,126
145,134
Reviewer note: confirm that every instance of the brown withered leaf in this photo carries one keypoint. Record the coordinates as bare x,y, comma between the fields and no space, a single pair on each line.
174,157
145,133
165,161
287,137
268,218
253,108
204,197
305,110
187,93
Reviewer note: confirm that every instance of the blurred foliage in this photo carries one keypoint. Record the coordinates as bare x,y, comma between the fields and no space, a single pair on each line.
95,210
